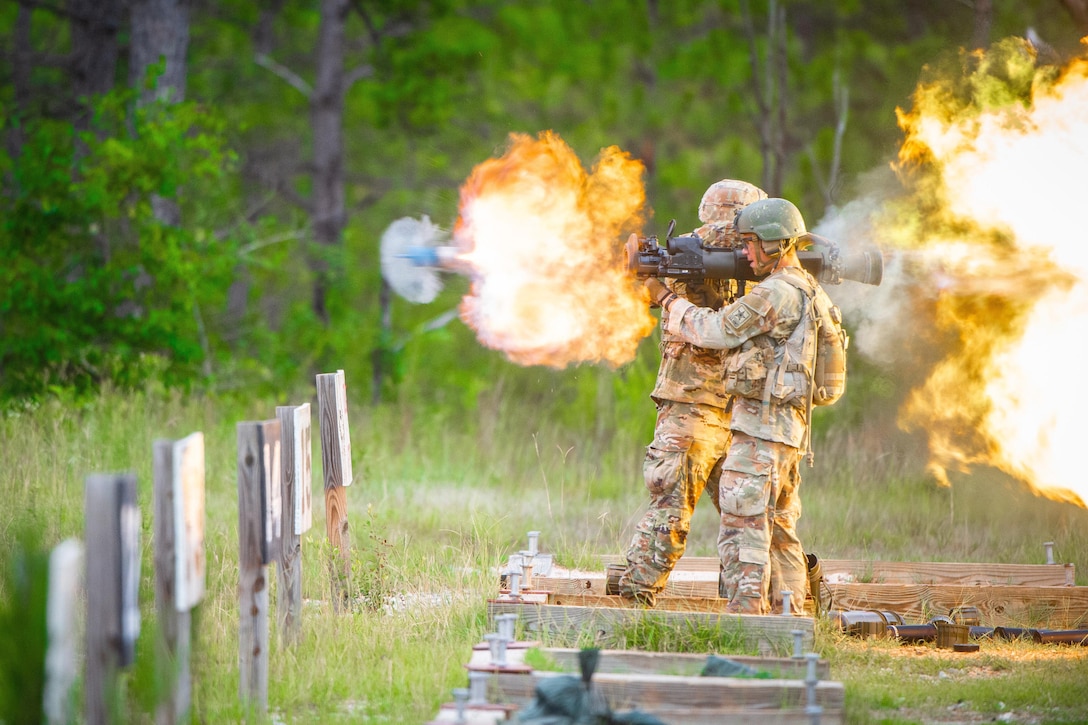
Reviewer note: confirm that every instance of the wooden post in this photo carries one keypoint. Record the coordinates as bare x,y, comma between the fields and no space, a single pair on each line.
296,494
258,518
178,496
332,409
113,578
62,624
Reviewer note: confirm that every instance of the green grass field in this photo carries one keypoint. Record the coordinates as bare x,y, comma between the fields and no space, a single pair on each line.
437,505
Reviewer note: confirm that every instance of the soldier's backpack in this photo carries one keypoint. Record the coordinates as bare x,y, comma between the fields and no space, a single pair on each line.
820,328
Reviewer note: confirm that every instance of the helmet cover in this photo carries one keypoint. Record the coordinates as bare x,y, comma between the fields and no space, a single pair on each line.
772,220
721,201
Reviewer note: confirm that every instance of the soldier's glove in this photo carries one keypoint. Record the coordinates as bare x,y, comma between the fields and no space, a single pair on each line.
660,295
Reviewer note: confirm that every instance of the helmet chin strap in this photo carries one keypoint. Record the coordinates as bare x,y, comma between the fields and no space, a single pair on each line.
783,247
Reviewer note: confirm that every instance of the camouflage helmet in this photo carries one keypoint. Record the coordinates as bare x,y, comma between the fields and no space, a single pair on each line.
723,198
772,220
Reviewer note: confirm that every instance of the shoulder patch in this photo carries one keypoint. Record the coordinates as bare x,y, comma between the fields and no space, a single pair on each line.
740,317
748,310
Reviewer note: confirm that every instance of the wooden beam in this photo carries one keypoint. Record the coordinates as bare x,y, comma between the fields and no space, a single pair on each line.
255,479
905,572
670,604
570,618
112,526
641,662
947,572
175,625
332,417
702,699
999,606
295,451
575,582
62,620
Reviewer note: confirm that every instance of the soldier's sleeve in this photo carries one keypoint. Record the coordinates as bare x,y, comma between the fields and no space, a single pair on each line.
751,315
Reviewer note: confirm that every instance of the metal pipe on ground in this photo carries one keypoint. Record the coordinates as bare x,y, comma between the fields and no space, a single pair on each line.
1016,633
865,622
1058,636
915,633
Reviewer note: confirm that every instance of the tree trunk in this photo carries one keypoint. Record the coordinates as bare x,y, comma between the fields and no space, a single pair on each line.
383,352
21,68
326,119
984,18
160,31
1078,9
160,34
769,90
94,26
778,66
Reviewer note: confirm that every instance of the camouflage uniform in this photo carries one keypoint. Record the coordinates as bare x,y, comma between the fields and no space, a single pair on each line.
759,486
690,439
692,431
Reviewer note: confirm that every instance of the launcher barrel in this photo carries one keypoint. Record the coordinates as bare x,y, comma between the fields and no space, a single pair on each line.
686,258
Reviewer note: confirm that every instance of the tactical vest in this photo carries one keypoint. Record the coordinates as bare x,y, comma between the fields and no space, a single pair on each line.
820,329
807,369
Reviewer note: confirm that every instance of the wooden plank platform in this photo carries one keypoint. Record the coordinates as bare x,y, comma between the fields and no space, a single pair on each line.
704,584
1020,595
640,662
999,606
945,572
603,618
666,685
679,699
874,572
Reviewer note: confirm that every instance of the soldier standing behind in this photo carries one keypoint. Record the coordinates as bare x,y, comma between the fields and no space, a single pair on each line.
769,373
692,431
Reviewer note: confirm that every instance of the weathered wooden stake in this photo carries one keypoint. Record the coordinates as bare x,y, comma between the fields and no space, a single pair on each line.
332,408
178,496
62,625
113,577
296,495
258,518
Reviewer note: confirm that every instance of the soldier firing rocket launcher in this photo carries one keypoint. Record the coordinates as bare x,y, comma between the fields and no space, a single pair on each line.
686,258
412,257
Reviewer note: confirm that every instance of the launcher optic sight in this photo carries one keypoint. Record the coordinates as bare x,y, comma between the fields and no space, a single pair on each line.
686,258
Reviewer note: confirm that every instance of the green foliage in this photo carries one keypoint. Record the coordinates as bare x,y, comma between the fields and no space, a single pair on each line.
96,286
658,634
406,92
102,291
24,584
886,682
372,580
453,498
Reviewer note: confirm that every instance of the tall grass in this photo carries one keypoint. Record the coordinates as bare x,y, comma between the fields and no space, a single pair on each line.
440,498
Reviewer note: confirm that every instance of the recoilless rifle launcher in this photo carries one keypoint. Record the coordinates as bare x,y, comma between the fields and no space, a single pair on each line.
686,258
